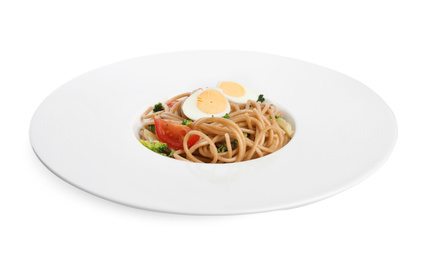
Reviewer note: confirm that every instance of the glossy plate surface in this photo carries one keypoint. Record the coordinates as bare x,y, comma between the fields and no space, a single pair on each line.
84,132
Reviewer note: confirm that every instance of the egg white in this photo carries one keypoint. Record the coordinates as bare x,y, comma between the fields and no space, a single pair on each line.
249,95
191,110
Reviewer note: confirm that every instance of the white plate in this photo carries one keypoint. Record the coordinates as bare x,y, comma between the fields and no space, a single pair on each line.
84,132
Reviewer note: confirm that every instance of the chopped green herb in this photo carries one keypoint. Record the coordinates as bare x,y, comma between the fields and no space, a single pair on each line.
222,148
226,116
277,117
158,107
186,122
261,98
235,141
245,134
212,116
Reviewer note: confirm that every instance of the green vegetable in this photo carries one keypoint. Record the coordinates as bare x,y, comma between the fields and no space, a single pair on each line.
151,128
235,144
277,117
261,98
157,147
226,116
245,134
186,122
158,107
171,153
222,148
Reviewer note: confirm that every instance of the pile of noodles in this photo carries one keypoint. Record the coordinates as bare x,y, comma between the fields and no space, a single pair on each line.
250,132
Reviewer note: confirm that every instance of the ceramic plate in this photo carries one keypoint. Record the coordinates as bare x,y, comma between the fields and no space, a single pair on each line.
85,133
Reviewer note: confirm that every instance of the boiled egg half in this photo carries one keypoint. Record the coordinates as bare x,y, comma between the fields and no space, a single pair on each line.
237,93
206,103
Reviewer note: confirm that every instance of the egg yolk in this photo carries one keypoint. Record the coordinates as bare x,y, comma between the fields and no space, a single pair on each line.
232,89
211,101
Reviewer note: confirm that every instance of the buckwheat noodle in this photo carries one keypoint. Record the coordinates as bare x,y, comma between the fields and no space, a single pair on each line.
251,132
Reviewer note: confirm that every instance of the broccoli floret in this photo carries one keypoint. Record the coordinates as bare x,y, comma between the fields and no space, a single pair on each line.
186,122
151,128
261,98
171,153
157,147
158,107
222,148
226,116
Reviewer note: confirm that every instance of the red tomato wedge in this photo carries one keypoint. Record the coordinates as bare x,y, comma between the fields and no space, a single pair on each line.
173,133
172,103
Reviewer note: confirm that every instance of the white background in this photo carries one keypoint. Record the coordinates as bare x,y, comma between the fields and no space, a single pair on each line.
394,47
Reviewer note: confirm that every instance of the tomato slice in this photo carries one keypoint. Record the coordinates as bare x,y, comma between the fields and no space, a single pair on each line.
173,133
172,103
